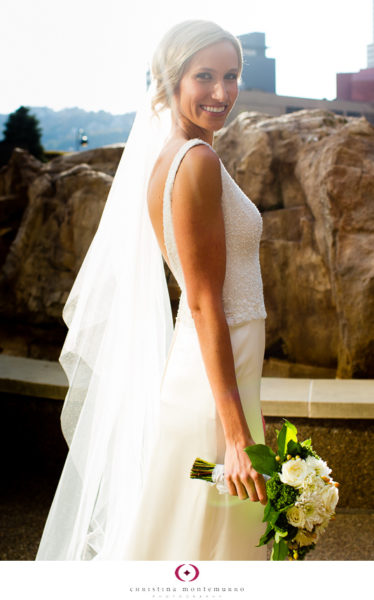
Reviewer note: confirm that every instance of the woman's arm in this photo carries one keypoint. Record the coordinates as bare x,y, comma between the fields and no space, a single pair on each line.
200,237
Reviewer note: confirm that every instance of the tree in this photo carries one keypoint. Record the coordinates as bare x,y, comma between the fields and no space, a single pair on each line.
22,129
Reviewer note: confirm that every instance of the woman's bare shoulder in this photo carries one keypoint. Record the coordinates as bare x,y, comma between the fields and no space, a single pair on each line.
200,170
200,160
201,156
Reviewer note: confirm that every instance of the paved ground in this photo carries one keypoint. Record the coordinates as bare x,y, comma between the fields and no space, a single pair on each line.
24,507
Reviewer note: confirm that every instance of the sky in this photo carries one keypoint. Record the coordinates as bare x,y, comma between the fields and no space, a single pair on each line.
94,54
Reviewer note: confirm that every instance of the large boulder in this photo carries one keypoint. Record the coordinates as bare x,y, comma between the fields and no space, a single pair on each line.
311,174
15,179
104,159
58,224
64,202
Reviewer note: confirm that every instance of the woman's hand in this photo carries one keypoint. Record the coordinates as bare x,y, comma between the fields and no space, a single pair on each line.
241,478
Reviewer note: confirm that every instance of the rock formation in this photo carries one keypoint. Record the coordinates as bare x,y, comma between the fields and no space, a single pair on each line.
65,199
311,174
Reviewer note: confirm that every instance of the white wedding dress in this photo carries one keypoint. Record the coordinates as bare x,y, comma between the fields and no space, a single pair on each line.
179,518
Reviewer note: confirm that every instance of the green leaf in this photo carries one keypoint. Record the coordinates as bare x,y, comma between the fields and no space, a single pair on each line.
267,511
287,433
269,533
280,535
273,516
294,448
279,551
262,459
307,443
281,510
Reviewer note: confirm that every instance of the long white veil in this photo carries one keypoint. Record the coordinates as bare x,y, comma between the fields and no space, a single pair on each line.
120,327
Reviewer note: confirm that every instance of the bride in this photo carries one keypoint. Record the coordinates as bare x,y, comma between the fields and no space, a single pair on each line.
145,400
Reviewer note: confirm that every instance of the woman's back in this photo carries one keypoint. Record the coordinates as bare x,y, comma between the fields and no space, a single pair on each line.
156,189
242,291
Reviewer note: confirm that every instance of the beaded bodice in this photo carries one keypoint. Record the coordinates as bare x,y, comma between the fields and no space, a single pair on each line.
242,292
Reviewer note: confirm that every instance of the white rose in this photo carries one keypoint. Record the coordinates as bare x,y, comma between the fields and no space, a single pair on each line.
295,516
294,472
318,466
329,498
313,483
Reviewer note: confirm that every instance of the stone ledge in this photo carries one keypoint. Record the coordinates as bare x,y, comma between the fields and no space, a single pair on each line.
32,377
318,398
280,396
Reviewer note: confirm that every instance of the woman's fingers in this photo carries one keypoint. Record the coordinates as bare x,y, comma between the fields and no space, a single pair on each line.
241,490
241,478
250,489
231,487
259,483
243,487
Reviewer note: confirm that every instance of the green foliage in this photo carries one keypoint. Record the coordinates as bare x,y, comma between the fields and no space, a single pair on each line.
268,535
304,550
60,127
262,459
280,550
283,524
22,130
286,434
289,444
280,494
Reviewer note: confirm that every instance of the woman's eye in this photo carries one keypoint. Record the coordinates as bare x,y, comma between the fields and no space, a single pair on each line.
203,75
231,76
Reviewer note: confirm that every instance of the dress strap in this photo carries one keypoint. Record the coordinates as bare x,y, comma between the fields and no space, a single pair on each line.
168,230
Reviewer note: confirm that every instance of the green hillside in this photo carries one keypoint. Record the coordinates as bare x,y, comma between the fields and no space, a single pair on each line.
60,128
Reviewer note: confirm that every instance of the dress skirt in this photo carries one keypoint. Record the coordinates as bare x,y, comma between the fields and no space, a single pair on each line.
186,519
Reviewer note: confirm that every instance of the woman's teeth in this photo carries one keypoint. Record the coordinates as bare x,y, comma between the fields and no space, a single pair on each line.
215,109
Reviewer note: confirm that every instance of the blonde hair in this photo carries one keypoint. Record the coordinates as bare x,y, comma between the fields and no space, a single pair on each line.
174,51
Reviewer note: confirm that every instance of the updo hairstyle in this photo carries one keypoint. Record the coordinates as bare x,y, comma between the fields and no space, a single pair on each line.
174,51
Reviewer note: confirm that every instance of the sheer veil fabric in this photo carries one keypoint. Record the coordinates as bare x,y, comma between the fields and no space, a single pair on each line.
119,330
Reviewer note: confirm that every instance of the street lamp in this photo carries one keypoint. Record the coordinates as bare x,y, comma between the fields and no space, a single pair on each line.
81,139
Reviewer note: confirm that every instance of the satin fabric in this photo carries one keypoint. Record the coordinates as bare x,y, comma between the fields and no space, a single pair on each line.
185,519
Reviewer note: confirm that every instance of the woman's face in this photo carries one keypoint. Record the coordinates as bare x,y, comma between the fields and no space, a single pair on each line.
209,87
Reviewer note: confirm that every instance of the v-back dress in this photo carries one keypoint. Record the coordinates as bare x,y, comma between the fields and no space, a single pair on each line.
186,519
179,518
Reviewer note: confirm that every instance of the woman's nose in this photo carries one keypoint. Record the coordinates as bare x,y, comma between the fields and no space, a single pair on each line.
220,92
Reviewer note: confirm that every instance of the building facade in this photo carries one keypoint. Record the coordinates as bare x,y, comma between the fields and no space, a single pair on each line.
358,87
258,70
274,105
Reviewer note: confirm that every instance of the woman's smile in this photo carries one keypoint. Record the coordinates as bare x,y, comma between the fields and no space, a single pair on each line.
214,109
207,91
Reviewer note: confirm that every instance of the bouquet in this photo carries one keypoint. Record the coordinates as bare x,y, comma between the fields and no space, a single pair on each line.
302,496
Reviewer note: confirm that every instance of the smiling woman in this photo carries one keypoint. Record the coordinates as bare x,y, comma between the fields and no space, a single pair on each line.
126,492
209,90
